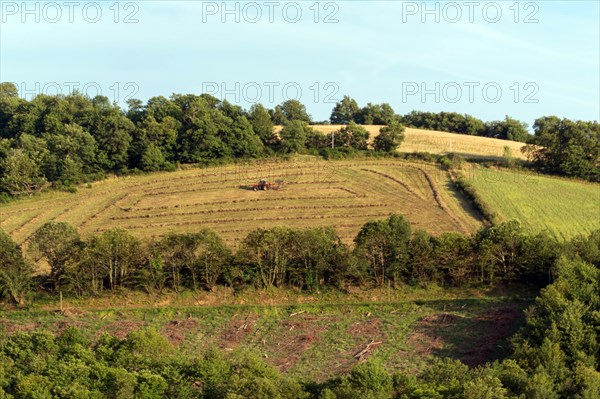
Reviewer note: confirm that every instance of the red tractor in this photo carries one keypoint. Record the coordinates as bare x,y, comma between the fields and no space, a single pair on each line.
261,185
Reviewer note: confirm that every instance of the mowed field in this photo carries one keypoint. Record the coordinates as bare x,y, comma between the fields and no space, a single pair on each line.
341,194
434,142
564,208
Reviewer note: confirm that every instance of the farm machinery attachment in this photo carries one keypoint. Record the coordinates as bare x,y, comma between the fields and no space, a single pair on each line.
265,185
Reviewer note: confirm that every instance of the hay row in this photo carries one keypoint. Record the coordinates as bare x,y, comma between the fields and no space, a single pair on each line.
104,208
5,219
63,212
191,190
317,182
255,209
337,226
257,219
20,226
436,194
33,220
440,203
17,211
356,194
204,188
219,180
410,190
394,164
198,204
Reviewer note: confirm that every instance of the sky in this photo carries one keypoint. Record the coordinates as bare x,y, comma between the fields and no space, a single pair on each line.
489,59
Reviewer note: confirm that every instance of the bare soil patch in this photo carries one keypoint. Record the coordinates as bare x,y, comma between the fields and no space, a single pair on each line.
427,337
496,326
443,334
367,336
296,335
236,331
11,328
61,326
121,329
177,331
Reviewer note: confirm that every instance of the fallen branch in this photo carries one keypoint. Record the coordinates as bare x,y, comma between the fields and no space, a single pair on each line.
297,313
363,352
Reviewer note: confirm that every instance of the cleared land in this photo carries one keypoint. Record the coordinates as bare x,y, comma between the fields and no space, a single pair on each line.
563,208
311,340
434,142
341,194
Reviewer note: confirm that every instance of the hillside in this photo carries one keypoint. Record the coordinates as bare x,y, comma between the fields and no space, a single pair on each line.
434,142
318,339
341,194
562,207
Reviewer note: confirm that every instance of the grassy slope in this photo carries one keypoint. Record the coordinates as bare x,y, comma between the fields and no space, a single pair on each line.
564,208
317,338
442,142
342,194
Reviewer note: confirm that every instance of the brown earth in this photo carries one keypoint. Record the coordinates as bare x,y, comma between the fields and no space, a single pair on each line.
10,328
122,328
177,331
439,334
236,331
296,335
496,326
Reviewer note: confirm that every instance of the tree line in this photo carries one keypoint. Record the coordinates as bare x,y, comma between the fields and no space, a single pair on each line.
554,356
348,110
558,146
385,253
565,147
66,140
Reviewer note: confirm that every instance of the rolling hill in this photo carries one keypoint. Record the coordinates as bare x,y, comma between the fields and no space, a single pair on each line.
341,194
419,140
562,207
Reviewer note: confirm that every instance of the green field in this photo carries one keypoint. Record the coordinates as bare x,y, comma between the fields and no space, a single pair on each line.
564,208
312,337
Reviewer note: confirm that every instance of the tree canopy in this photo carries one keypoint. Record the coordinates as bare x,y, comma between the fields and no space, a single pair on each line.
566,147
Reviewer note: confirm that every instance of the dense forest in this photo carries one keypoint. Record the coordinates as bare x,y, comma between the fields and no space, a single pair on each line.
66,140
555,355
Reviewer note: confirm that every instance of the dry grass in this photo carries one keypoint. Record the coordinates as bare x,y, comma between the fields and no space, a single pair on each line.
341,194
441,142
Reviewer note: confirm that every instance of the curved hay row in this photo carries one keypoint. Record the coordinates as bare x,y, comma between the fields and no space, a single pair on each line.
94,216
241,201
255,209
410,190
25,222
257,219
440,203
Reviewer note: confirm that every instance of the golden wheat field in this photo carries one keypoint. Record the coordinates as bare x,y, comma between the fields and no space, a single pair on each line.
436,142
341,194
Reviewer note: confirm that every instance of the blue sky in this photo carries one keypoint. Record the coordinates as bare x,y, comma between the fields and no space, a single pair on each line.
488,59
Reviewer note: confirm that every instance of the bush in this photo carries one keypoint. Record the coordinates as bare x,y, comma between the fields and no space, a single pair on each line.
369,380
469,191
15,272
